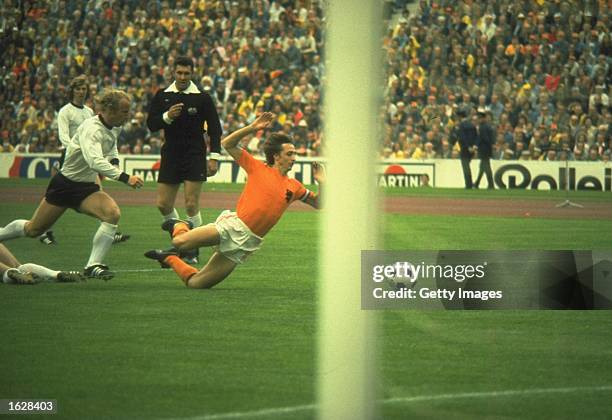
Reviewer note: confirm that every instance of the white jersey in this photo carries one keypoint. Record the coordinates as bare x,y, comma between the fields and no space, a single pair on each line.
68,120
90,151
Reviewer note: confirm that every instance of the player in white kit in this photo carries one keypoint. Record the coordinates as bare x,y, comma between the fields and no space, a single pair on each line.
92,151
69,118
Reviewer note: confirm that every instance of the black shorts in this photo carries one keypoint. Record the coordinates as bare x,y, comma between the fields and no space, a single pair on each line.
63,192
175,169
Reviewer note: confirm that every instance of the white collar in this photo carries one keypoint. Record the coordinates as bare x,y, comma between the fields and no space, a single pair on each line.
192,88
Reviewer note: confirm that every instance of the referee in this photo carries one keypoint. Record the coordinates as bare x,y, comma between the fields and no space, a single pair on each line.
182,110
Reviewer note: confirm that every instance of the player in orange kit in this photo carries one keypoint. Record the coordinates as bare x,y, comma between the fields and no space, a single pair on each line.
264,199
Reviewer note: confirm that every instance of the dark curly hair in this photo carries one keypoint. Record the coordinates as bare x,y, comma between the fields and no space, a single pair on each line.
274,145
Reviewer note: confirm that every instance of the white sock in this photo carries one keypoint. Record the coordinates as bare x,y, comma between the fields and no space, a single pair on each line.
13,230
196,219
172,215
43,273
5,278
102,242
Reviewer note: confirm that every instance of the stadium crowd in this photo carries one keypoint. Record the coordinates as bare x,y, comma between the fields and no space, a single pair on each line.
540,68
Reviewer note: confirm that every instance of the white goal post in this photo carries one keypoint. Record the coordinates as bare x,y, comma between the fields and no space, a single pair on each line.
347,363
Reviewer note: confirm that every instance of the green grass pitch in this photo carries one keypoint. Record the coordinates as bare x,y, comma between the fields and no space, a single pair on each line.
142,346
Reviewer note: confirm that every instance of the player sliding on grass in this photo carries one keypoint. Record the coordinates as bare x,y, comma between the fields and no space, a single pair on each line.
267,194
13,272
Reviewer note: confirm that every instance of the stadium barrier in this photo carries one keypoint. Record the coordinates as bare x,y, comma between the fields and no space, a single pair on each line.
444,173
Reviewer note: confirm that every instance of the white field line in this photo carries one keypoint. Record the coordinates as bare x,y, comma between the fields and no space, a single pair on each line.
277,411
495,394
253,414
140,270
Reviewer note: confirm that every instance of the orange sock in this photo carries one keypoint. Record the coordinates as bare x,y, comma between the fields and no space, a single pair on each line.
180,267
179,228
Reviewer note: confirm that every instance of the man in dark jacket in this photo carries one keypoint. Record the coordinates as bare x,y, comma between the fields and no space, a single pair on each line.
181,110
465,133
486,139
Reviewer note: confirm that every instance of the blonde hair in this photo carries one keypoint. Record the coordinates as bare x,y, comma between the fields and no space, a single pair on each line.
109,98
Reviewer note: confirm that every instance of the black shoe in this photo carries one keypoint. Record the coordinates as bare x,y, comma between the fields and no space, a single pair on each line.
98,271
17,277
70,277
120,237
191,256
160,255
168,225
48,238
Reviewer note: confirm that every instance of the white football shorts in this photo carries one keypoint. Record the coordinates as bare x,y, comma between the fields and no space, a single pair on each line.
237,240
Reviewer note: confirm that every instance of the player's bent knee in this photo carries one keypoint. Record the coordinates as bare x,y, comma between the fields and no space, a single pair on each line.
112,215
214,273
205,282
180,243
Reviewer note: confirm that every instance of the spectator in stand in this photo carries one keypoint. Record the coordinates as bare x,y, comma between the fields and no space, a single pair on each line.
446,150
558,49
429,151
593,155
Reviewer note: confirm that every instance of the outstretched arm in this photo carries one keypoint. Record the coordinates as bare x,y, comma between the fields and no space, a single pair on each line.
318,173
230,143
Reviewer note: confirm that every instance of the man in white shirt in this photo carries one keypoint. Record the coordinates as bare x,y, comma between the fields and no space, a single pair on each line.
69,118
92,151
72,115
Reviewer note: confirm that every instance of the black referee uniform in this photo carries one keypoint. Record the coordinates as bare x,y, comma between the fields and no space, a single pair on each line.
183,155
486,139
465,133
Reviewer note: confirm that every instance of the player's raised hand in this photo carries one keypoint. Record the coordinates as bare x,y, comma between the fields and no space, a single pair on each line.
318,172
263,121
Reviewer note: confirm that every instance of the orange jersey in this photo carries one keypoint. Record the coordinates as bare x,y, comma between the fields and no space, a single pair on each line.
266,196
